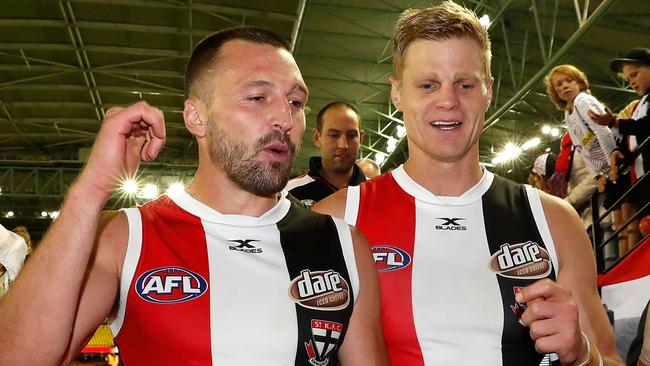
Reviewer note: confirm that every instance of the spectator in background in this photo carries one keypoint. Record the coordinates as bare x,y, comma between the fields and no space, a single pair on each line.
369,168
542,169
568,89
13,250
635,69
338,137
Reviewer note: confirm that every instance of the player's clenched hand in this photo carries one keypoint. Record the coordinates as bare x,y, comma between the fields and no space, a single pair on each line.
126,136
552,317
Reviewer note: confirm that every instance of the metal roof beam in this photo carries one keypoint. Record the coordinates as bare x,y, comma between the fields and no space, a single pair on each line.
143,82
230,10
82,57
523,91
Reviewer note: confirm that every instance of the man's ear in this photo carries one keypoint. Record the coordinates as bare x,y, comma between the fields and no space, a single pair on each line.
316,135
361,134
489,93
192,115
394,91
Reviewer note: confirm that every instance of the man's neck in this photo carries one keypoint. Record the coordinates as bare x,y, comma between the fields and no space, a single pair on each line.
445,178
212,187
338,180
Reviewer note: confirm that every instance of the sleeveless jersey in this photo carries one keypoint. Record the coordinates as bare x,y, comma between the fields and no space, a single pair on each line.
203,288
449,267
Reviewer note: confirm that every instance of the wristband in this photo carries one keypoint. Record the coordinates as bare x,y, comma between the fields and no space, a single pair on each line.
591,356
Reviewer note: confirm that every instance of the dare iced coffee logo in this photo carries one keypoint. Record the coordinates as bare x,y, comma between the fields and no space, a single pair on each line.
320,290
523,260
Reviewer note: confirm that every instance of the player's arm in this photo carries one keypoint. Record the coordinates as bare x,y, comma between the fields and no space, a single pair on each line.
100,288
48,309
333,205
559,311
39,313
364,341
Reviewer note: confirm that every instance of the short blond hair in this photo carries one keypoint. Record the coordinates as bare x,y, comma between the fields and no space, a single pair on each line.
568,70
443,22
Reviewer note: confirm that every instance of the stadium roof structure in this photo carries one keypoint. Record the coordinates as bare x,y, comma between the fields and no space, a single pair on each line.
64,63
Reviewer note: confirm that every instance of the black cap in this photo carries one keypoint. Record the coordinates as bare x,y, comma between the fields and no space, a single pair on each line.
638,55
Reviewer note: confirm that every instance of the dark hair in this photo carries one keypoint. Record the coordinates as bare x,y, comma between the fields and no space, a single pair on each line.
321,113
207,50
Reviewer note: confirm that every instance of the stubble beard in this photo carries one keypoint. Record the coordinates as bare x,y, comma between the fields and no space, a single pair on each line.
262,178
340,167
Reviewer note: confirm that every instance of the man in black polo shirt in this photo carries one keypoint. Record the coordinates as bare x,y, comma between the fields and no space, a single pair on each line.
338,137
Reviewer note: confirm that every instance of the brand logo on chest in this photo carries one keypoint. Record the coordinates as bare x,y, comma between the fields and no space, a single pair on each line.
389,258
170,285
320,290
450,223
244,245
523,260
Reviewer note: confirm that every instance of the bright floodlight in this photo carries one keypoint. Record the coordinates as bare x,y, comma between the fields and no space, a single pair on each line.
531,143
391,144
401,131
175,189
546,129
130,186
54,214
509,152
380,158
485,21
9,214
150,191
43,213
555,132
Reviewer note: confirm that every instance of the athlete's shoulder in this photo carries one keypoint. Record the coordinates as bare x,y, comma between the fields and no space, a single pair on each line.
334,204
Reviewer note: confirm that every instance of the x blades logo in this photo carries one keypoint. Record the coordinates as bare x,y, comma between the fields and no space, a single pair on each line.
244,246
450,223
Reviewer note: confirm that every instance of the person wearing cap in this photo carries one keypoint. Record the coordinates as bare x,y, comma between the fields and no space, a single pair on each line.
542,169
635,69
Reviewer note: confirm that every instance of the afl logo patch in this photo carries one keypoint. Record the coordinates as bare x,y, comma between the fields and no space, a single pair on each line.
523,260
320,290
388,258
168,285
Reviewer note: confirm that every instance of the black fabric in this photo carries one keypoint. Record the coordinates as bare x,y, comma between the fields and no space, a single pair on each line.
320,188
639,128
310,243
509,220
634,352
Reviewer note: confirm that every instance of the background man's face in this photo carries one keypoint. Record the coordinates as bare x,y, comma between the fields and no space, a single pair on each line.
340,139
256,116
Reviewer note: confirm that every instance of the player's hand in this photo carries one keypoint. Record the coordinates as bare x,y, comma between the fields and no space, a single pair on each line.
552,316
126,136
605,119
